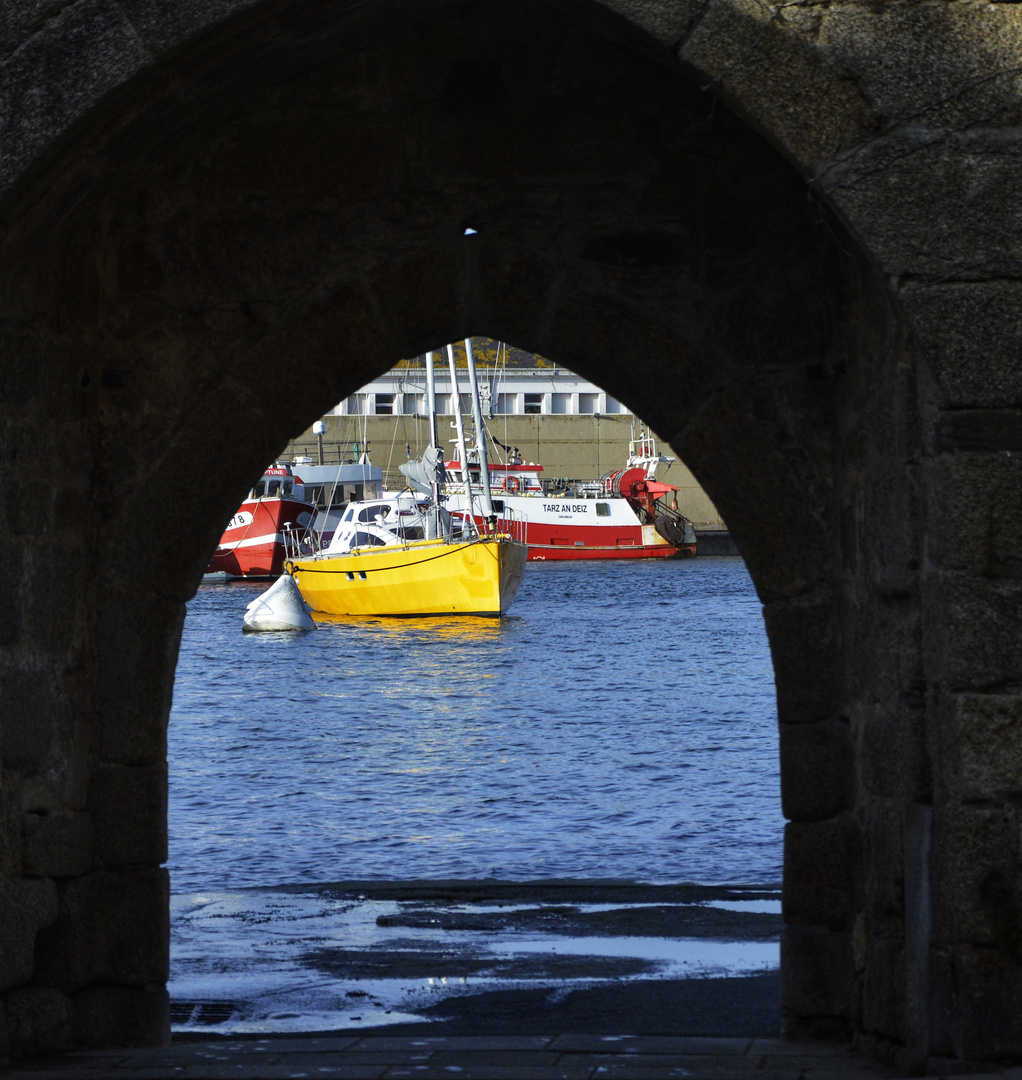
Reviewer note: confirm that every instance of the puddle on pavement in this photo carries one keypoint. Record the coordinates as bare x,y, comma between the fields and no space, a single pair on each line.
362,955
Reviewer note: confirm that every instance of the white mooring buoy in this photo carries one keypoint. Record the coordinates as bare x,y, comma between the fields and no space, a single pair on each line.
281,607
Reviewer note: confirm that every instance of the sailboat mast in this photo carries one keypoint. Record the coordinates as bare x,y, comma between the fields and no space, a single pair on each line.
459,424
477,419
433,440
431,401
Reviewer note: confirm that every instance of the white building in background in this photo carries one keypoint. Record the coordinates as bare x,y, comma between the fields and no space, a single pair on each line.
536,391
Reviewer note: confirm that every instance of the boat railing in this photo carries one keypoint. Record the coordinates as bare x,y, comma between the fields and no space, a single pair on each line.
463,527
575,490
671,512
299,543
514,524
475,525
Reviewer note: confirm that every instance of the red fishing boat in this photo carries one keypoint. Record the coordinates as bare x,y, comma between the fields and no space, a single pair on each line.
252,545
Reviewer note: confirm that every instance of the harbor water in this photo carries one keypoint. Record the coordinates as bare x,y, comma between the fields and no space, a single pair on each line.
620,724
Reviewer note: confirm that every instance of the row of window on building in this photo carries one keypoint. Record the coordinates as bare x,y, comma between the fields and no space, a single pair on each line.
520,404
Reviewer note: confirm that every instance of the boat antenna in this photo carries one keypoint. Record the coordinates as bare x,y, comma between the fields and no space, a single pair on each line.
477,419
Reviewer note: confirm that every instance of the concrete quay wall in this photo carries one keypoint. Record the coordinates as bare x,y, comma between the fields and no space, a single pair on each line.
568,447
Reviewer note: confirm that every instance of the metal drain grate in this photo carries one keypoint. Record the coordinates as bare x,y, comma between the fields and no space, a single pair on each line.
201,1012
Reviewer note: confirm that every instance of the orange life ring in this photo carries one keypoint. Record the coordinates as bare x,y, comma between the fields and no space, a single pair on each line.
511,484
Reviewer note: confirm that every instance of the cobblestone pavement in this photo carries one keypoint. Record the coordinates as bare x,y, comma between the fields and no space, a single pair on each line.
516,1057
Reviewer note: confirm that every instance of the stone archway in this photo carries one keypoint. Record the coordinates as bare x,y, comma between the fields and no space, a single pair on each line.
223,242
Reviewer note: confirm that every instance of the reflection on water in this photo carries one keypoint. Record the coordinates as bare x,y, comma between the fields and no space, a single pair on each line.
461,630
621,723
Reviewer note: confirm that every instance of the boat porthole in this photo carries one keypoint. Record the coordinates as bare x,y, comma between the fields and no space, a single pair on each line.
361,575
350,576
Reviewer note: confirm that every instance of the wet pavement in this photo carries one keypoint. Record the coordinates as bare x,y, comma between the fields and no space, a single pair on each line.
486,1057
504,1057
514,957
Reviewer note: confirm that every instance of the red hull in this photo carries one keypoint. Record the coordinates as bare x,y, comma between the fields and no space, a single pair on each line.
263,561
548,542
538,553
252,545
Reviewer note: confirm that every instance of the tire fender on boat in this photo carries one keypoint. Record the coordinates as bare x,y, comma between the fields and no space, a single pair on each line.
672,531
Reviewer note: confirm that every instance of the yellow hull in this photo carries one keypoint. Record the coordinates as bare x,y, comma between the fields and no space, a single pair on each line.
423,577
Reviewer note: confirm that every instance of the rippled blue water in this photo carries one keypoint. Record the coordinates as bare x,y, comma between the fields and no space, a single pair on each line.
621,723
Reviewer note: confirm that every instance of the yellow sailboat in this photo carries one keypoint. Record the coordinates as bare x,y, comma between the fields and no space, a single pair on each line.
407,556
478,576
